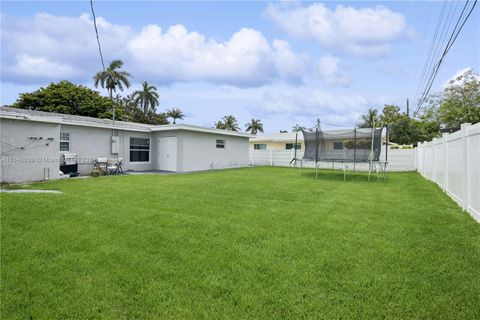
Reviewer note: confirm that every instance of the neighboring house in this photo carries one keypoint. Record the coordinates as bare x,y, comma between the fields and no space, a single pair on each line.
286,141
33,144
276,141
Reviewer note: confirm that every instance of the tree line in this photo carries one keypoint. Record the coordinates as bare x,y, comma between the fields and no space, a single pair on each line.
445,111
140,106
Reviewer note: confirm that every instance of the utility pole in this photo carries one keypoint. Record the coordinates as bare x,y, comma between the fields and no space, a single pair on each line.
408,109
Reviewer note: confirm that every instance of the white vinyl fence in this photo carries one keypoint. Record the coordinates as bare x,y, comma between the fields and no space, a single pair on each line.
453,162
398,159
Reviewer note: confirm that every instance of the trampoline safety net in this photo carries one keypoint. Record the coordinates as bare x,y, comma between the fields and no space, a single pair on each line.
343,145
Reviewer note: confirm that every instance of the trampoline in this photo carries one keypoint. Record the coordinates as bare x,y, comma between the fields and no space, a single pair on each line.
351,146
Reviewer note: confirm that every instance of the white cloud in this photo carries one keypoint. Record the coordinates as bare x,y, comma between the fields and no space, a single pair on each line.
246,59
328,69
453,80
365,31
313,103
40,67
66,46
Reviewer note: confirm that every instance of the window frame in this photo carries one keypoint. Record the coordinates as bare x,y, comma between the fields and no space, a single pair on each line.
297,146
63,140
336,142
139,149
220,145
259,144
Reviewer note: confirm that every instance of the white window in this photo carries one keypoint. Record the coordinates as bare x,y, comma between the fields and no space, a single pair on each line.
338,145
290,146
139,149
260,146
64,141
220,144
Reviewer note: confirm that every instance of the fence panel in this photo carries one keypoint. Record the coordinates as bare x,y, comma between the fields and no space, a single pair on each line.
398,159
439,161
453,162
473,168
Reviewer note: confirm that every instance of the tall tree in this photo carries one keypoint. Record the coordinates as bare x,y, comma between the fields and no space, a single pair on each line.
135,113
369,119
112,78
66,97
147,97
458,103
175,113
390,114
254,126
228,122
298,128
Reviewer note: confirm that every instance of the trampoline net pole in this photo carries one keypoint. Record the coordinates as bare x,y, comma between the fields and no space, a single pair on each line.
363,145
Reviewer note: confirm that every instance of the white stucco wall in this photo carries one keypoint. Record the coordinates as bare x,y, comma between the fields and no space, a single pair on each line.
199,151
90,143
27,159
196,151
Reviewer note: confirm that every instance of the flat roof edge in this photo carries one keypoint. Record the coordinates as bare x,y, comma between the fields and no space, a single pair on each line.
200,129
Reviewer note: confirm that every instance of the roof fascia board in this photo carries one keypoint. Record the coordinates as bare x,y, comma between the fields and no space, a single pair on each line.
200,129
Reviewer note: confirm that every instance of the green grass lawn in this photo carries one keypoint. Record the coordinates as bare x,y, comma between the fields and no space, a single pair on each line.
249,243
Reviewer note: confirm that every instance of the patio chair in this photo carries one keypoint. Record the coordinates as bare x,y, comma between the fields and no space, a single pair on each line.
115,166
101,164
119,165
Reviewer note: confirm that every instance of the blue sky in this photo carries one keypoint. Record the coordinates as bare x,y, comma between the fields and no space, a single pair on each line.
282,62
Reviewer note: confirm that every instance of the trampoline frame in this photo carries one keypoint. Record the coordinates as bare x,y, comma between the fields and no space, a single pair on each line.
380,167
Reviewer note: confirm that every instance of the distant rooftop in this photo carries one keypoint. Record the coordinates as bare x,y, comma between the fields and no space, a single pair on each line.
290,136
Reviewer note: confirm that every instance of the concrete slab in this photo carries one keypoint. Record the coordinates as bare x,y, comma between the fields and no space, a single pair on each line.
29,191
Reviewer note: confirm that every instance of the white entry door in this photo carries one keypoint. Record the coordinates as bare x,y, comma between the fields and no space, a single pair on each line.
167,154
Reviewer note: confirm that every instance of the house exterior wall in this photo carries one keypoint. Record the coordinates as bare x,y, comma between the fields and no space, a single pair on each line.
281,145
38,160
90,143
199,151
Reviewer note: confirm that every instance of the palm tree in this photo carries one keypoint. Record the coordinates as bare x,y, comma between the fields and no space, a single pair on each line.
228,122
147,97
175,113
298,128
220,125
254,126
369,119
112,78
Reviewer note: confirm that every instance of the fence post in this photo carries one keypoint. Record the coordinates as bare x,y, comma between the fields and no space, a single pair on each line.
271,158
415,157
465,199
445,161
419,152
424,156
434,160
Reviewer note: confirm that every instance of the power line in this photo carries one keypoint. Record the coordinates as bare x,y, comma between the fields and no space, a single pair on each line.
430,51
96,32
436,45
436,53
456,31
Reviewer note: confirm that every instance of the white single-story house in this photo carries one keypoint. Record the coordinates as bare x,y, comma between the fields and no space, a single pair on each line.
276,141
33,145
